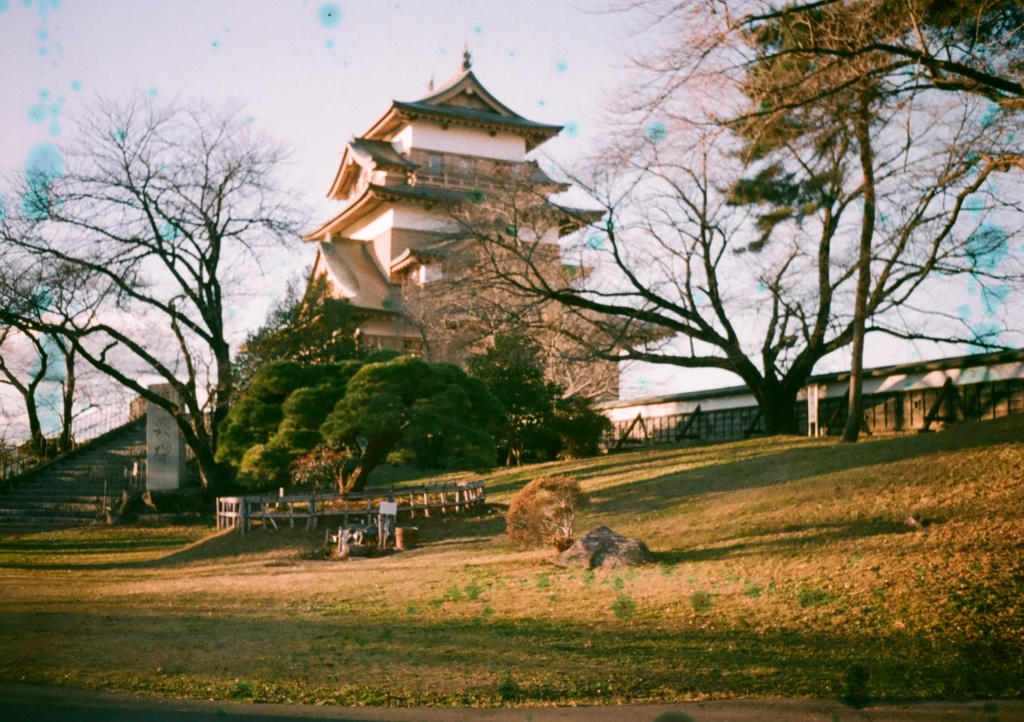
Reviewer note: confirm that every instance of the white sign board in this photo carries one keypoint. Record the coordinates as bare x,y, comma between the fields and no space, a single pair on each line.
388,508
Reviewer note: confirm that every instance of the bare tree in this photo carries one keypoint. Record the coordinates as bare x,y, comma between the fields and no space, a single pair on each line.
466,306
162,214
808,72
759,242
684,270
33,362
853,60
912,46
24,373
960,46
464,311
29,359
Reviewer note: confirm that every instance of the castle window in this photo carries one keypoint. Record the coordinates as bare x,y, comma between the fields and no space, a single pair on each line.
435,163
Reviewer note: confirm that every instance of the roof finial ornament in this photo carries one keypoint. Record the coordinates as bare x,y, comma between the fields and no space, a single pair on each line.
467,60
430,83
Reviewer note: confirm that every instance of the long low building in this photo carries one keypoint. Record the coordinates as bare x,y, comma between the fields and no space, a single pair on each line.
918,396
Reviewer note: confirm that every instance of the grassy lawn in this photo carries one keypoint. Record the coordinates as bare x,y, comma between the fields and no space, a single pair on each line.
782,565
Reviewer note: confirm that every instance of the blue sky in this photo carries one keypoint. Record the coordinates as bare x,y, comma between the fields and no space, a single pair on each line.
308,72
311,73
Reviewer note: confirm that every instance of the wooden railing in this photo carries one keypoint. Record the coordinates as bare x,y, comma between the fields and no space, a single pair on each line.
449,179
239,512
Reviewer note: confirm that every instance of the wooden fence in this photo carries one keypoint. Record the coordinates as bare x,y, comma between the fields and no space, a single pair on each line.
716,425
918,410
889,412
239,512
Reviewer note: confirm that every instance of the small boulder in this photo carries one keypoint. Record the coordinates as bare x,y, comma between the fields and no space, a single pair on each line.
602,547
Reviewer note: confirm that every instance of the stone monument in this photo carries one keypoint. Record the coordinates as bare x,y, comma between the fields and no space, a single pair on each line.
165,446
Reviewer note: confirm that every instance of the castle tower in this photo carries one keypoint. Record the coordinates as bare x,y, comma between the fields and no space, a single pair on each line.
397,183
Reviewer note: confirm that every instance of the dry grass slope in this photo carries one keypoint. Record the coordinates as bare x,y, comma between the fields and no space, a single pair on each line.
784,569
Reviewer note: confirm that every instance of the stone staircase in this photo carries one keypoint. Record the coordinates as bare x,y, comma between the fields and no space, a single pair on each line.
70,490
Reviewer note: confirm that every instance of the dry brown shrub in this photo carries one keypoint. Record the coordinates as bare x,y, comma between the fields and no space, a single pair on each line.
543,512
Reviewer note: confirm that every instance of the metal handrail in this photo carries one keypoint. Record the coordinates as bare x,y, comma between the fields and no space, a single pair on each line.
82,432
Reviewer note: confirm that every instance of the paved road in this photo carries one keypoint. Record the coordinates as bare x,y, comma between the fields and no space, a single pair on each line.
30,703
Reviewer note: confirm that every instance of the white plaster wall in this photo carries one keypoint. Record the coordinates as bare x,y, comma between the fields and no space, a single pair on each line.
409,216
549,237
377,228
627,413
467,141
426,273
418,218
895,382
370,227
933,379
403,141
382,249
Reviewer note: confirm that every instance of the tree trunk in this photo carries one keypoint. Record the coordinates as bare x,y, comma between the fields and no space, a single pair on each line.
225,390
862,128
28,393
65,441
778,409
376,451
215,476
35,429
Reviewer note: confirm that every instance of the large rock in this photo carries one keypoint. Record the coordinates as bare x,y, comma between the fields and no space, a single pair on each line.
602,547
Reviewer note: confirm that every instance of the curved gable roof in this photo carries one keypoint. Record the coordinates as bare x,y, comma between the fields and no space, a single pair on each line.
382,154
356,275
465,84
462,100
360,153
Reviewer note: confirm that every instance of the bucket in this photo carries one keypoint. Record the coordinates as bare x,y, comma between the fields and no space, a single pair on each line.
405,537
